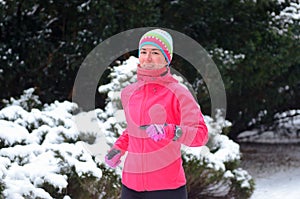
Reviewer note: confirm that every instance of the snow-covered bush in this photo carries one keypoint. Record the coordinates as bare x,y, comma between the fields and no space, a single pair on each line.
289,17
42,152
27,100
284,129
212,170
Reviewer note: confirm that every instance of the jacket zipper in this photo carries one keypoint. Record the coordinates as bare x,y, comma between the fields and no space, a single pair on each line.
142,111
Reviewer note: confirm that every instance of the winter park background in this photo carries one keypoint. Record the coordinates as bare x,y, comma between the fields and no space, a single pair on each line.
52,148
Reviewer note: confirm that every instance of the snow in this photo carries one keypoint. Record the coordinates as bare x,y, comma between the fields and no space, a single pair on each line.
275,169
11,132
286,131
41,146
292,12
34,139
225,150
228,150
227,57
283,184
282,179
242,176
17,189
24,168
288,16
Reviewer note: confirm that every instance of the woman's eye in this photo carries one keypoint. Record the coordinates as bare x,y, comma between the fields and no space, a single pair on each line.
143,52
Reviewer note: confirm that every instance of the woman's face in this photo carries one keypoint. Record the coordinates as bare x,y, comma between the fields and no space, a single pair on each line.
151,58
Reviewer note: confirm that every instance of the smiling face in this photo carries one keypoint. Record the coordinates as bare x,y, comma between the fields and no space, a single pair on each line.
151,58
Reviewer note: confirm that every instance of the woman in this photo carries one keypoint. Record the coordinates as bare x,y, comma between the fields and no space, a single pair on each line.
161,115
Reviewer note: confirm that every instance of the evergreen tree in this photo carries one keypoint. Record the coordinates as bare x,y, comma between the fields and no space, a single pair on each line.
43,43
262,37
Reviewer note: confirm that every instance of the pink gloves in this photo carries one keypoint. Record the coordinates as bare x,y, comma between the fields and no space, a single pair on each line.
113,157
158,132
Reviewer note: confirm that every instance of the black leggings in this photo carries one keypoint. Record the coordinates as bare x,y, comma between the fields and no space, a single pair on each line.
180,193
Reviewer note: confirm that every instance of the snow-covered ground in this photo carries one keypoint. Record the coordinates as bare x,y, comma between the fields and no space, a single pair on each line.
273,158
283,184
275,168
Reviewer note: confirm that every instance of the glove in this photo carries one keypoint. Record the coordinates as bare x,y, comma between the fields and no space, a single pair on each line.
158,132
113,157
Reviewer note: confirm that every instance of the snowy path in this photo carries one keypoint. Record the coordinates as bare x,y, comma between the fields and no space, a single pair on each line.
275,168
284,184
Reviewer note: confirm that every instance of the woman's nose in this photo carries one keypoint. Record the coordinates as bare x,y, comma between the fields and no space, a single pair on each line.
149,56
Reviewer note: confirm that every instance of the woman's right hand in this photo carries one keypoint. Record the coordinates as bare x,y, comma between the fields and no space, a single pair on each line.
113,157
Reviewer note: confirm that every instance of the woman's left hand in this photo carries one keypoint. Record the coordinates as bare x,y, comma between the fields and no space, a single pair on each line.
158,132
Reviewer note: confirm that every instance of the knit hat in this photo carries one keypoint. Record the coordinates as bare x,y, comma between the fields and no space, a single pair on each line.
160,39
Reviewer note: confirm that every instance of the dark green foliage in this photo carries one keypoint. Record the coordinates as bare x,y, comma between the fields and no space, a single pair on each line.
28,100
82,187
110,183
205,181
2,186
267,79
54,191
43,43
238,191
200,179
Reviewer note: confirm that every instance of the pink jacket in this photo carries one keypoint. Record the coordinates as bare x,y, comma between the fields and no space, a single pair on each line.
156,99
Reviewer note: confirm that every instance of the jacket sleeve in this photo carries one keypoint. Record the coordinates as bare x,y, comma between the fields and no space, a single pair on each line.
194,129
122,141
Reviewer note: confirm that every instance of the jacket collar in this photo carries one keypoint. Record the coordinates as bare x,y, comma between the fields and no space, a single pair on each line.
162,75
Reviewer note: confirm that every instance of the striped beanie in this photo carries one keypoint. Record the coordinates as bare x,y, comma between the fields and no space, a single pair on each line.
160,39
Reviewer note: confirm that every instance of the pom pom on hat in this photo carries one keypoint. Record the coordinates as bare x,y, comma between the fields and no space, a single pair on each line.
160,39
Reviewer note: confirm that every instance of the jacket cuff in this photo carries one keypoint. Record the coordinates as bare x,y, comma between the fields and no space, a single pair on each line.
116,147
170,131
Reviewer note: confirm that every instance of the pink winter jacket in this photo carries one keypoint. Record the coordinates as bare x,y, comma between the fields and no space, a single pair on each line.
156,99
